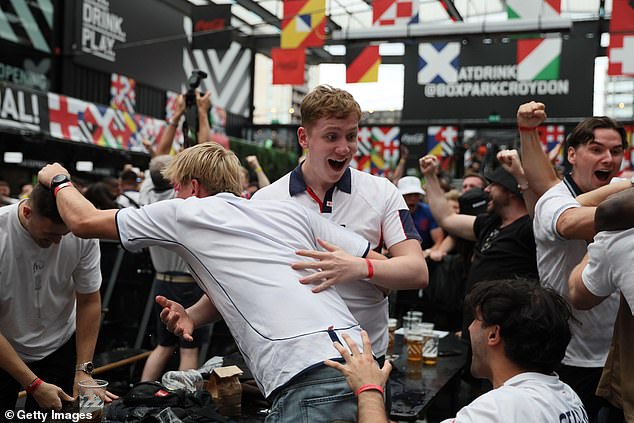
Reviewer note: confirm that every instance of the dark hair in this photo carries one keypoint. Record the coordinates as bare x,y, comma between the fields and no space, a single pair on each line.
43,204
533,320
129,176
583,133
100,196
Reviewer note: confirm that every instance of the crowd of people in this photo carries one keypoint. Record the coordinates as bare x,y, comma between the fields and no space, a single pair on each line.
537,266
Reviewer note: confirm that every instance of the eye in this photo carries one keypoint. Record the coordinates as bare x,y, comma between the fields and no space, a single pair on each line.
331,137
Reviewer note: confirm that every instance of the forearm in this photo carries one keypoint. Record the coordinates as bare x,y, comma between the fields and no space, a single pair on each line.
577,223
88,320
595,197
263,180
578,295
406,269
167,139
371,407
204,131
11,363
82,218
438,204
203,312
539,172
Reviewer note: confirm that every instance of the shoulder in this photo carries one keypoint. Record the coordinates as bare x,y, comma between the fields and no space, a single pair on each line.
276,190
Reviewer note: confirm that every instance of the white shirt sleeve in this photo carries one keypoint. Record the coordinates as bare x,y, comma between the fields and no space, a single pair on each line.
549,209
87,274
150,225
392,226
597,275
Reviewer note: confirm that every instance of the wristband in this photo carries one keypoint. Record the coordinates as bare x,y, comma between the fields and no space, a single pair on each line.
33,385
370,268
258,169
526,129
60,186
175,125
369,387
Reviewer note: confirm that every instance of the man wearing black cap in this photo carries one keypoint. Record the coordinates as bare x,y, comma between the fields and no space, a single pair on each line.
505,246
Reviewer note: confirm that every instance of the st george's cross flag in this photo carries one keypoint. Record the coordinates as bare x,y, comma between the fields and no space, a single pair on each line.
538,59
122,93
394,12
438,62
362,63
533,9
303,24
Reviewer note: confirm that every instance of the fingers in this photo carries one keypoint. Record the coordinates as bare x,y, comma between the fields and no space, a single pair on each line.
335,365
65,397
110,397
328,246
319,255
354,348
367,345
162,301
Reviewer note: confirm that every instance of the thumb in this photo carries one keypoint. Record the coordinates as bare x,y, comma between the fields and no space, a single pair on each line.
162,301
65,397
328,246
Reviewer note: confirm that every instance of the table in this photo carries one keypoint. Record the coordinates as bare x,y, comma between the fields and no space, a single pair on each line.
414,387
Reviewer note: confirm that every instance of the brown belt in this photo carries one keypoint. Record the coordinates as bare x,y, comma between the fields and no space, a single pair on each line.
166,277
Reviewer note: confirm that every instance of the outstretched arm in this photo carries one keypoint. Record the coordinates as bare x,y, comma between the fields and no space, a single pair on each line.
510,161
254,164
182,322
460,225
81,217
165,144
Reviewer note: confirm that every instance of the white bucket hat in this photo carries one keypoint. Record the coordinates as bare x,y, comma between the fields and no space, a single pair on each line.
410,185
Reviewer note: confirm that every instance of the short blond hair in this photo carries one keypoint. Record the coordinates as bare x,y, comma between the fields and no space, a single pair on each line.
326,101
452,195
215,168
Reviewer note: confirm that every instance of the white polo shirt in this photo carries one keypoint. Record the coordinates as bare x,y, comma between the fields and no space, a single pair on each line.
371,207
240,252
526,397
556,257
38,286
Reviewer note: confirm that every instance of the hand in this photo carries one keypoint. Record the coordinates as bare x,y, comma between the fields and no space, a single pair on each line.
403,151
429,165
531,115
360,367
203,102
334,266
253,162
81,376
49,396
179,106
436,255
176,318
46,174
510,161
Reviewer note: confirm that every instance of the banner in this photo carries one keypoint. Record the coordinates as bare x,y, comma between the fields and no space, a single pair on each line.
533,9
122,94
212,27
472,79
378,150
303,24
362,63
288,66
22,109
394,12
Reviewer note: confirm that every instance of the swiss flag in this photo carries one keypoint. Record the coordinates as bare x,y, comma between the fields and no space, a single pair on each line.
288,66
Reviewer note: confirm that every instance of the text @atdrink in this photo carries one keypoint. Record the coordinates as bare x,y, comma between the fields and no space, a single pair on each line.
46,416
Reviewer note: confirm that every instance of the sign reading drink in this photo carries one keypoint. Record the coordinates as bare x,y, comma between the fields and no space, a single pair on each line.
100,29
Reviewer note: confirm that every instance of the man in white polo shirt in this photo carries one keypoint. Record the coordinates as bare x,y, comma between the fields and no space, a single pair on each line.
240,253
365,204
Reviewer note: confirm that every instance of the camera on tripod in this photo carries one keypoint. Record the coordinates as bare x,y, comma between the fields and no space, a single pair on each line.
191,124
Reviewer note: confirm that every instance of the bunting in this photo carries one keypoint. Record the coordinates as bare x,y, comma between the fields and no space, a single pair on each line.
378,150
303,24
394,12
122,93
288,66
621,49
362,63
533,9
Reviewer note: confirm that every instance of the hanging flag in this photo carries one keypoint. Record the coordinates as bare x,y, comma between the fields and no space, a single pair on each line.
533,9
288,66
122,94
362,63
303,24
212,27
438,62
394,12
63,117
538,59
378,150
441,140
622,19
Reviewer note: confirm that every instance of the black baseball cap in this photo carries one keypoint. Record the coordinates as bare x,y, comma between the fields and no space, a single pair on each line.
502,177
473,202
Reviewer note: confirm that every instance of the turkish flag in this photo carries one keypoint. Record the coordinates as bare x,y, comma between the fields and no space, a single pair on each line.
288,66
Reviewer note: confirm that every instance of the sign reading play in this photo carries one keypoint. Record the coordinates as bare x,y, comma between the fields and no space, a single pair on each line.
100,29
473,79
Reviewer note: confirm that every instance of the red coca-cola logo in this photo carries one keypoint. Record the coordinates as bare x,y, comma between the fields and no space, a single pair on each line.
203,25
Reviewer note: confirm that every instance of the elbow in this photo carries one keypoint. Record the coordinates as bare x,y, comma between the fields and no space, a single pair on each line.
421,278
81,228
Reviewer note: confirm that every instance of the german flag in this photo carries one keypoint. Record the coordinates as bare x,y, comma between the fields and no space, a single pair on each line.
362,63
303,24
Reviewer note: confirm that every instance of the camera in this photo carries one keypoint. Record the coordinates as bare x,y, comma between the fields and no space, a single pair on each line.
191,124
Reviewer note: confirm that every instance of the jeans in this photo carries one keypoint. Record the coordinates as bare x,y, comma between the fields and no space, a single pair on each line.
321,395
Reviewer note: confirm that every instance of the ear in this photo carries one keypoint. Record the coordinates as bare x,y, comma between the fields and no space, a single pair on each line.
302,136
572,155
198,190
493,338
27,211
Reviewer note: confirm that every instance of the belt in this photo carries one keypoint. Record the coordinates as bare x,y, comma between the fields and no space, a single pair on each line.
166,277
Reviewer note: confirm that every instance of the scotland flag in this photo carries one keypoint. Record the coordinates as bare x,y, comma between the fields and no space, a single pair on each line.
438,62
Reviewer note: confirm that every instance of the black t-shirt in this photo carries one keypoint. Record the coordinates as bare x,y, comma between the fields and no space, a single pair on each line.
502,253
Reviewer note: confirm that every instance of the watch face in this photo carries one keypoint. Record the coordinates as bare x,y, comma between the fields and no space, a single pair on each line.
58,179
90,367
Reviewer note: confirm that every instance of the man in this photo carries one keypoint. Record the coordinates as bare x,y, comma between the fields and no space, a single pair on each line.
505,246
172,279
518,337
473,180
428,230
240,252
563,227
50,307
129,188
607,269
5,194
365,204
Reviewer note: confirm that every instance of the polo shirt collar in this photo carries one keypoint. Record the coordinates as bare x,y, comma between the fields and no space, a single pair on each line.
298,185
572,185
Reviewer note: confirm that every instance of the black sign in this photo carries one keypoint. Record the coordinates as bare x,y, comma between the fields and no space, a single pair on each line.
477,77
23,109
211,27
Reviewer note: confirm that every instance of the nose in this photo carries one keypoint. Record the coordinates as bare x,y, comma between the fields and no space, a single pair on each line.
343,147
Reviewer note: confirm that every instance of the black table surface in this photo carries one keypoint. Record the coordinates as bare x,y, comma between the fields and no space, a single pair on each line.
414,386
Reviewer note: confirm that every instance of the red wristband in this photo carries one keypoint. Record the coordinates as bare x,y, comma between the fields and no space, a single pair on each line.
369,387
60,186
370,268
33,385
526,128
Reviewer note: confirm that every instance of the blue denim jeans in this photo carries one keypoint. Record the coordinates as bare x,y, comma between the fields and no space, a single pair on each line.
321,395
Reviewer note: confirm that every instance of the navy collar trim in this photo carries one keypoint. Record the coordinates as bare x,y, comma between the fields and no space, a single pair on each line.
298,185
572,185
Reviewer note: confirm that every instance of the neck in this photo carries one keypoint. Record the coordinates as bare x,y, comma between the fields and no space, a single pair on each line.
511,213
313,181
503,371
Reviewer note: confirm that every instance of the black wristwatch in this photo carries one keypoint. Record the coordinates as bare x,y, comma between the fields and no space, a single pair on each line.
58,180
86,367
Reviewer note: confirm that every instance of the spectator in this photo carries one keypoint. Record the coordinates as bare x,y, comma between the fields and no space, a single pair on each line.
172,279
100,195
50,307
430,233
605,270
25,190
5,194
563,227
365,204
473,180
129,188
240,253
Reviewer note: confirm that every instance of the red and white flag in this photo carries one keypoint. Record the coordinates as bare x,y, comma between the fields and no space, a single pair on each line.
122,94
63,117
394,12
